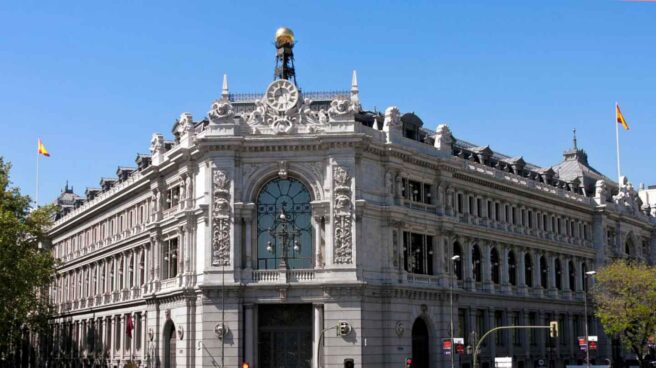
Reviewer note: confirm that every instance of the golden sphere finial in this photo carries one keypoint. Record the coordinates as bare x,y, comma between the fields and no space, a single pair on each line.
284,35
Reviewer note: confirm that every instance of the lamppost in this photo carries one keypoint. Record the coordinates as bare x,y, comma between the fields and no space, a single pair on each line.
585,306
284,230
453,277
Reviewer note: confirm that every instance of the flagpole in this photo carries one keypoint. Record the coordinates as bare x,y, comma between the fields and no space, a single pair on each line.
617,141
36,202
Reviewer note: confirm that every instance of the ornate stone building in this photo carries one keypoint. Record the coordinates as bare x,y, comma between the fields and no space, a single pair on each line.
254,231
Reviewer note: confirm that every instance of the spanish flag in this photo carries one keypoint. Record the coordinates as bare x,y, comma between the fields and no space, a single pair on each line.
619,117
41,149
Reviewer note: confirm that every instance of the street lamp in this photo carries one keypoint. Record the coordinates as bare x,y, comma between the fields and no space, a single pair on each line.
585,306
284,230
453,277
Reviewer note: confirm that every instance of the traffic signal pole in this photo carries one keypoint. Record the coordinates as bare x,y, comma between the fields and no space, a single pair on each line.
478,343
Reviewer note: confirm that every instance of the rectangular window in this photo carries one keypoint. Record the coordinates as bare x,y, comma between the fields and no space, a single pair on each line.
515,332
131,272
498,321
460,210
470,202
136,333
480,323
530,219
172,197
489,209
514,216
462,329
496,212
418,252
170,257
117,334
479,208
532,321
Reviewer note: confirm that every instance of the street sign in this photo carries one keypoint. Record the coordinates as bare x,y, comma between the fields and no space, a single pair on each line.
446,346
459,342
503,362
592,341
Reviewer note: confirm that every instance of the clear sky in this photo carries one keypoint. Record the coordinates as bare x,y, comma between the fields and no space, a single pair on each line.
95,79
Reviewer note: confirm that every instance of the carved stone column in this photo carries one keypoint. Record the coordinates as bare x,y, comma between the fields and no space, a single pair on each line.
537,274
468,263
551,272
505,270
486,269
564,278
249,333
221,218
182,252
440,253
249,216
318,327
343,216
522,287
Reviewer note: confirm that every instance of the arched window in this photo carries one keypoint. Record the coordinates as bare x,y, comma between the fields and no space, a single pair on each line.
494,259
457,264
558,271
572,276
629,249
476,266
528,270
512,268
544,272
283,225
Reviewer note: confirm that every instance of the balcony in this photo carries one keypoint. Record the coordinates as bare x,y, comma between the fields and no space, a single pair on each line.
283,276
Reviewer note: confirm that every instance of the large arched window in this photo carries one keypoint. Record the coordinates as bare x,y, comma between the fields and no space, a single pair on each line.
457,264
512,268
283,225
544,272
572,276
494,259
528,270
476,263
558,271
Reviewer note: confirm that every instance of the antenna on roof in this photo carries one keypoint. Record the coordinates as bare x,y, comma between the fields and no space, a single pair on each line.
574,131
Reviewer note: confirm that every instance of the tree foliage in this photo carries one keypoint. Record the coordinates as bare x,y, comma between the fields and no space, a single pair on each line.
25,269
625,303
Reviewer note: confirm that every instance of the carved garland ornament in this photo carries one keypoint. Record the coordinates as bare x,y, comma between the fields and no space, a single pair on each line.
343,216
220,219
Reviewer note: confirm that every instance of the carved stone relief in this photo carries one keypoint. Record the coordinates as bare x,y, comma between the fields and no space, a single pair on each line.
221,112
343,218
220,219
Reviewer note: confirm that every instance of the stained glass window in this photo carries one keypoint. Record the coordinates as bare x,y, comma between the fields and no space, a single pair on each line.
291,197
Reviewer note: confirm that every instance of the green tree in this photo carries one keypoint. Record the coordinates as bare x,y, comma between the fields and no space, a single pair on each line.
25,269
625,303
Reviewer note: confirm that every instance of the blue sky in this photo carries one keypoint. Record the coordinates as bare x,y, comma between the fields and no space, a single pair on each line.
94,80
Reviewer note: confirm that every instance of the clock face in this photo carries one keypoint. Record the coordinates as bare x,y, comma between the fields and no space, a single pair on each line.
282,95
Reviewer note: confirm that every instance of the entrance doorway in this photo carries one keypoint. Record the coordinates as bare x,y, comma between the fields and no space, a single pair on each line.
284,336
420,341
169,344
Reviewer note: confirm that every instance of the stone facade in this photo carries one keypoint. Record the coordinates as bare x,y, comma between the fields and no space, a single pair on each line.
175,248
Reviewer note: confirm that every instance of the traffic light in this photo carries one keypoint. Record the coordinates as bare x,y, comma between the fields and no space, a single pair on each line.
408,363
553,328
349,363
343,328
